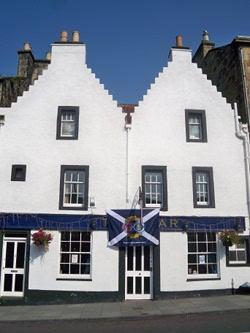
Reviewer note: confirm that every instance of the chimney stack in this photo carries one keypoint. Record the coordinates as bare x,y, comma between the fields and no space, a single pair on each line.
25,61
69,50
64,36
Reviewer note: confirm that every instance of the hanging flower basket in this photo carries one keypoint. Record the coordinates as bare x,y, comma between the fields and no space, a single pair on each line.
42,239
229,237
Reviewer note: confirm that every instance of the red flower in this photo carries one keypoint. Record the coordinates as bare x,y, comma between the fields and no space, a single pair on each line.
41,238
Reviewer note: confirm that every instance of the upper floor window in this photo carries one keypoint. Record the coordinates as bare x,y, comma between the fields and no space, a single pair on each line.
18,172
67,122
154,186
196,130
74,187
203,188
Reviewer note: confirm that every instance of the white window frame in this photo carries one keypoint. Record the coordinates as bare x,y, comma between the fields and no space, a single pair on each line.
67,116
202,188
198,253
151,184
197,123
195,118
236,249
78,253
72,183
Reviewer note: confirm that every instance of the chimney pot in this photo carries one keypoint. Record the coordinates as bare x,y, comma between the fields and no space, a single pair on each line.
179,41
26,46
75,37
64,36
205,35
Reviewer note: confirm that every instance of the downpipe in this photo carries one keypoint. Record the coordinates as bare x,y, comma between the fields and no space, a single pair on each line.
243,134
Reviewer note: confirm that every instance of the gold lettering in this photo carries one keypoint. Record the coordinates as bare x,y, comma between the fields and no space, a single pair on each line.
173,223
162,223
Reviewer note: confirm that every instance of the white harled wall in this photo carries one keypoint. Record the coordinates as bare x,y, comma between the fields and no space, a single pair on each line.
174,267
29,137
158,137
104,274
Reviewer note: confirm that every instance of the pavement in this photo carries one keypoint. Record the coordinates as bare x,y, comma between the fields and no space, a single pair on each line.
125,310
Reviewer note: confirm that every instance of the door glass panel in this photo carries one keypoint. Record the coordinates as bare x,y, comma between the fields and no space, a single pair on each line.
138,258
146,258
8,282
20,255
138,285
9,254
130,285
146,285
19,282
130,258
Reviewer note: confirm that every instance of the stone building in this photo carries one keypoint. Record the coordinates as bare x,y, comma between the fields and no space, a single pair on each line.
28,70
135,197
228,67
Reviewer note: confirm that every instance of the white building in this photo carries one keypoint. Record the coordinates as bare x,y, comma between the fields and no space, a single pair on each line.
68,156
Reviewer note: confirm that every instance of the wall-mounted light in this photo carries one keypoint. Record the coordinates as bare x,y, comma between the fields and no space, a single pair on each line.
92,202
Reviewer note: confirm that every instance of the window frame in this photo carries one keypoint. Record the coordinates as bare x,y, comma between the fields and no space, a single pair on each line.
62,109
163,170
75,277
202,114
206,276
64,168
209,171
14,168
246,239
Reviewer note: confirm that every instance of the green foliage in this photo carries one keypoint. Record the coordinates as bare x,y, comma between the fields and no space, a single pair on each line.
229,237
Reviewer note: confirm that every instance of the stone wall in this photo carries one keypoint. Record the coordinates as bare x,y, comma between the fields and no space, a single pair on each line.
11,88
224,68
27,72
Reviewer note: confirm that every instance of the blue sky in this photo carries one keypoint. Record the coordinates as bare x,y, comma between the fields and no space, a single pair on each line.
127,41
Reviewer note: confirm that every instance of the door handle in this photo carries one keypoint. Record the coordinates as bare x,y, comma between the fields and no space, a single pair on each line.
13,271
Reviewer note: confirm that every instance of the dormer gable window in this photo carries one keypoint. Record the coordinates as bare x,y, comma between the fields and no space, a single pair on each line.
67,123
196,130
